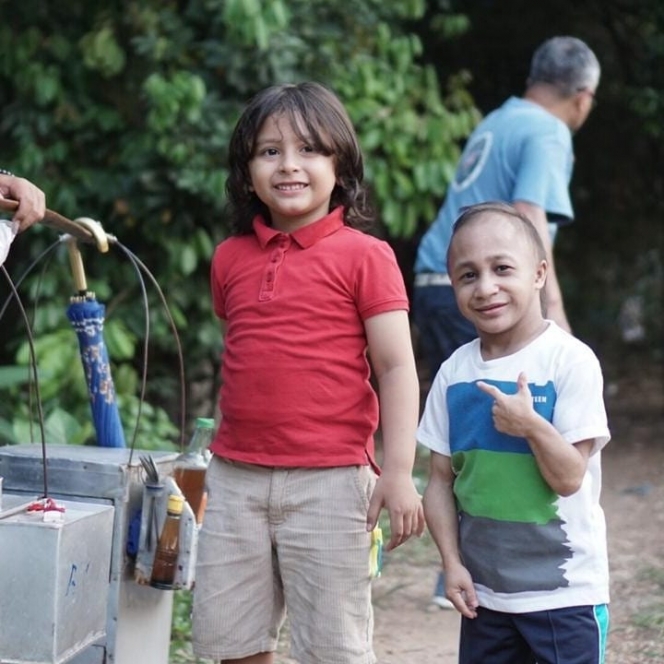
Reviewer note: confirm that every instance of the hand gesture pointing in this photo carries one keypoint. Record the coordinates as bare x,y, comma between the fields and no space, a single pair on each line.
512,413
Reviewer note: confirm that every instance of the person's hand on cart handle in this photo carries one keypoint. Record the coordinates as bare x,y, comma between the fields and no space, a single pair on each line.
31,199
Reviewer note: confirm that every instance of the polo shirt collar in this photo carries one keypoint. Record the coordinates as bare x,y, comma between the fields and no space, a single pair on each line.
306,236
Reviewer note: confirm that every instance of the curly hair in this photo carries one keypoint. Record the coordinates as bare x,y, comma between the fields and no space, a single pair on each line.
317,116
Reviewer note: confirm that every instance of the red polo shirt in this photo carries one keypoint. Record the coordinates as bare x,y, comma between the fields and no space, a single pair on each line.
295,376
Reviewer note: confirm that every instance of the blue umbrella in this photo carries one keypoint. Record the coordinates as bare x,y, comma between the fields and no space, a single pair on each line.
87,318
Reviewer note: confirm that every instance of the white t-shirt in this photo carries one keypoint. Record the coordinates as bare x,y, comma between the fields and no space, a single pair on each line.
526,547
7,235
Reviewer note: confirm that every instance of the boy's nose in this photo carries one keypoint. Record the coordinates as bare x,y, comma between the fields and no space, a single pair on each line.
485,285
289,162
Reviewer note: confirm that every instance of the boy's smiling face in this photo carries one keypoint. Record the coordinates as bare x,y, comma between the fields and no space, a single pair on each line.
291,178
497,277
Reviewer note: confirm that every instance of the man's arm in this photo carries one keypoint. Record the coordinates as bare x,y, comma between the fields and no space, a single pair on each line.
554,296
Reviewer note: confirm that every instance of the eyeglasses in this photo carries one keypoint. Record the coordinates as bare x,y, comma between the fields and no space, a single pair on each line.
592,96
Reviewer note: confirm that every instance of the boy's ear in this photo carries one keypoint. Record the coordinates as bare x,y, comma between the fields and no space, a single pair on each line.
541,274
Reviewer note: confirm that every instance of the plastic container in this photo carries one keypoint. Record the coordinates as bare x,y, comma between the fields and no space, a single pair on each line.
190,467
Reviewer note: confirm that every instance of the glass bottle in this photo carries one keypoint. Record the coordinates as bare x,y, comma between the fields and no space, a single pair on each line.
165,561
189,468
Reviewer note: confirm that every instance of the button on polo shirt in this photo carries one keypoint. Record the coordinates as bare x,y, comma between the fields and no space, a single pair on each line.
295,376
283,242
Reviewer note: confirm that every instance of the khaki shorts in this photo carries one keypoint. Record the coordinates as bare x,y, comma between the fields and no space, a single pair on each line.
276,538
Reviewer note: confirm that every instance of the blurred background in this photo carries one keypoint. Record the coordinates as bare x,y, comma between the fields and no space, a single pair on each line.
121,111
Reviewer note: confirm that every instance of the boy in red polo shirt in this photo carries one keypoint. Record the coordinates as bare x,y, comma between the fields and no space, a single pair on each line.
304,296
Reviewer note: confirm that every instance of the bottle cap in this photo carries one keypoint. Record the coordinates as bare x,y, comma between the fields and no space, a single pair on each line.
175,503
204,423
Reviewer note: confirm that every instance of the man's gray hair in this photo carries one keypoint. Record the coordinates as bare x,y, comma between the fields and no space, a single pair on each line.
566,63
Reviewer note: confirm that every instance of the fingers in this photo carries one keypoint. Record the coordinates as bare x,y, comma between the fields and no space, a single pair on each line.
522,383
496,394
463,604
400,531
460,590
373,512
31,203
491,390
396,533
404,525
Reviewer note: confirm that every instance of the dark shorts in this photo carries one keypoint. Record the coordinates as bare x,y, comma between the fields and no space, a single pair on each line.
573,635
440,324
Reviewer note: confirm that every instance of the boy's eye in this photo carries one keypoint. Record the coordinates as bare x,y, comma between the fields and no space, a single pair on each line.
503,268
467,276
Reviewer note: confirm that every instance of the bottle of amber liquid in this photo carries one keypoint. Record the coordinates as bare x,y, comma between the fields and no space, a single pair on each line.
165,561
189,468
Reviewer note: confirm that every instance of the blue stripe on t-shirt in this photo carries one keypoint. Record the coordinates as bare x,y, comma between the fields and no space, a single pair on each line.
471,421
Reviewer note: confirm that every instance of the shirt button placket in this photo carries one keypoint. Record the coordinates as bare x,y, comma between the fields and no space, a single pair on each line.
270,275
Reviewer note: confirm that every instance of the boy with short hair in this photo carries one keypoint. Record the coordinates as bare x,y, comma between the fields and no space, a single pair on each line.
515,421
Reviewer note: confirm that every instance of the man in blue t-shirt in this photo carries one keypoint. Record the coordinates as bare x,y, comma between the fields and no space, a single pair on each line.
522,154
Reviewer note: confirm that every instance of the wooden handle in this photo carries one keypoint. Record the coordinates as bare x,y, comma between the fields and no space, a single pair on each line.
56,221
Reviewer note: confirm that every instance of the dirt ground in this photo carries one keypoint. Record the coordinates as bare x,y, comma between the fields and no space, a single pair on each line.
410,630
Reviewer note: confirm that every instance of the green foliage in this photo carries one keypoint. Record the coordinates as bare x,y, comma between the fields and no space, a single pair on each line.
123,111
68,419
413,147
181,650
638,30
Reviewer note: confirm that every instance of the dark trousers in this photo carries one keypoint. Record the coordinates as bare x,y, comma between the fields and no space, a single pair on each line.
442,328
573,635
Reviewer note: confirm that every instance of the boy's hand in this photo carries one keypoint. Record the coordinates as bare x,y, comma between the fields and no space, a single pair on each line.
460,590
512,413
397,493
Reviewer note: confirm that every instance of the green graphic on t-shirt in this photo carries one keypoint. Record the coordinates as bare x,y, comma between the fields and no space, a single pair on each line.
504,486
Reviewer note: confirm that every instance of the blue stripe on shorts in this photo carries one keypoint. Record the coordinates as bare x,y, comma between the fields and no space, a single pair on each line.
601,612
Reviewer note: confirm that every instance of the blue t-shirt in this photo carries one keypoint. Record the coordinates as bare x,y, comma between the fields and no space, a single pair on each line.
519,152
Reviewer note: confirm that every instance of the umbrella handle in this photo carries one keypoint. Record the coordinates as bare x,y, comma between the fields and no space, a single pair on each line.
75,259
77,269
80,228
97,232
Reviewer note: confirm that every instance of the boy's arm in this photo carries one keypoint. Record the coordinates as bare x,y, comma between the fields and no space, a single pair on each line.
563,466
443,522
391,353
